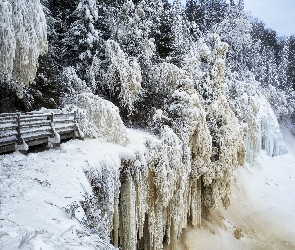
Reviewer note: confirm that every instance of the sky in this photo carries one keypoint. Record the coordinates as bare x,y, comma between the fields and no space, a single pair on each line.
278,15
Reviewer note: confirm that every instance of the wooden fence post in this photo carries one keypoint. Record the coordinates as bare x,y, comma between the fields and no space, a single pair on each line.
75,122
52,125
19,140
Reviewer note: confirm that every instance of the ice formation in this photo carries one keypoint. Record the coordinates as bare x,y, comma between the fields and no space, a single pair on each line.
167,75
262,130
264,133
23,34
228,152
187,170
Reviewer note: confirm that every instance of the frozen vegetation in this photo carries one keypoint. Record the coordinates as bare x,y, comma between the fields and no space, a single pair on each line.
173,103
23,37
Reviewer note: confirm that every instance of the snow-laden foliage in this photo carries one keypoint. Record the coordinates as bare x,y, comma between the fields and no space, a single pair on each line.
123,74
74,85
228,152
8,40
168,188
99,118
188,120
166,75
206,65
136,23
235,30
282,101
84,36
23,37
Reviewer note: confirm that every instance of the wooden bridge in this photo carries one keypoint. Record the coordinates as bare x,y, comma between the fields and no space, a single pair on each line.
21,131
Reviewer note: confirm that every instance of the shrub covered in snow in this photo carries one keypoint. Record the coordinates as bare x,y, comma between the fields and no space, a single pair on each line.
228,152
99,118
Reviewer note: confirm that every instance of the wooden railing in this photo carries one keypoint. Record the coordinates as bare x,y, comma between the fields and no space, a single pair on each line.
21,131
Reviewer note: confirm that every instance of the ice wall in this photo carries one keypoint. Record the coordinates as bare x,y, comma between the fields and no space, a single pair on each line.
264,133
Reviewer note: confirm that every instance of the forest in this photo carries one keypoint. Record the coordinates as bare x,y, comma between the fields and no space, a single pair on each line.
95,46
206,80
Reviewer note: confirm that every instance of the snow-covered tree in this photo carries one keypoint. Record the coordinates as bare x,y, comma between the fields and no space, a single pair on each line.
118,74
82,39
23,35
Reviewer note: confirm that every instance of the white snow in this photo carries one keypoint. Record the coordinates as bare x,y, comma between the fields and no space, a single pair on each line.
36,189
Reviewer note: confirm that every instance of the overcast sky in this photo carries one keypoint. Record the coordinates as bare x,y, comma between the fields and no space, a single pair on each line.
278,15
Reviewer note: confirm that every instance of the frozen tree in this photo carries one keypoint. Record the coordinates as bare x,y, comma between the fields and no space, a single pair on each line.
23,35
188,120
120,75
206,64
180,32
73,86
82,39
235,29
228,152
284,64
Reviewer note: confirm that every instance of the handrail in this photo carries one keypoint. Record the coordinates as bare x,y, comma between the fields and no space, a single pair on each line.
19,131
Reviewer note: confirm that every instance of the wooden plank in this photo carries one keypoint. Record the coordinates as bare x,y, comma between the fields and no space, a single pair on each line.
7,121
8,127
64,114
29,137
65,129
64,136
8,133
38,141
8,140
57,121
7,148
19,140
35,130
34,119
34,116
7,114
35,124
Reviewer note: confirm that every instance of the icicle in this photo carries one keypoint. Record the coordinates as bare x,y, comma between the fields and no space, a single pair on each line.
116,226
128,235
196,203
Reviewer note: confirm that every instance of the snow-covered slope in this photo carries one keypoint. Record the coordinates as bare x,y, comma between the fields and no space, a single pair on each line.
39,191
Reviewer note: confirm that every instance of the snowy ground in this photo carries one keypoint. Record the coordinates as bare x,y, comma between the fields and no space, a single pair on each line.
262,211
36,190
